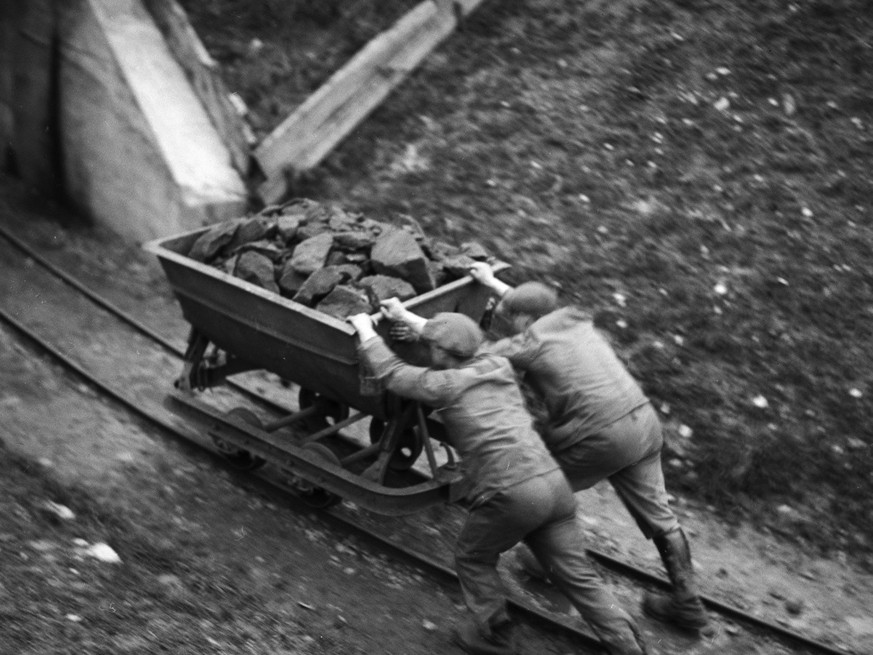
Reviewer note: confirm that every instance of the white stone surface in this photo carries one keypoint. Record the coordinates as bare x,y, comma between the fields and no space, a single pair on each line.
140,153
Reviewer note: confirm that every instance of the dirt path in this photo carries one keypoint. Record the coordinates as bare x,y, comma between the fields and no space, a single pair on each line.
324,593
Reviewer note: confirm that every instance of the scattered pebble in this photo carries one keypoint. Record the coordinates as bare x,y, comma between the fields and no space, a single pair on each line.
61,511
860,626
722,104
430,626
720,288
255,46
75,618
621,323
760,402
685,432
855,393
794,606
104,553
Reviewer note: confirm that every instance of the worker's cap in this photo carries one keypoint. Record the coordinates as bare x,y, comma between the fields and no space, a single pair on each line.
533,298
457,334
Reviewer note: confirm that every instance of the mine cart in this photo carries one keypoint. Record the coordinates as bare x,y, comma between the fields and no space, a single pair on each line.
237,326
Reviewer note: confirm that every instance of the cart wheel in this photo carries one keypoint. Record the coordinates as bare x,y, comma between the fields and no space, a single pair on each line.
239,457
327,409
311,494
409,446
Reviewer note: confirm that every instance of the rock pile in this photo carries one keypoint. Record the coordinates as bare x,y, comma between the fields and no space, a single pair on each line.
338,262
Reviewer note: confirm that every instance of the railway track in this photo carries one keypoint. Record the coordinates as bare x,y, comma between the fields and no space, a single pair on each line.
382,531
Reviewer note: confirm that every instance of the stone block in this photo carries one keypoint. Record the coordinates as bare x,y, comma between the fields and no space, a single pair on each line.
266,248
256,268
311,254
287,226
354,240
457,265
345,301
319,284
382,287
209,244
474,250
256,228
290,281
397,253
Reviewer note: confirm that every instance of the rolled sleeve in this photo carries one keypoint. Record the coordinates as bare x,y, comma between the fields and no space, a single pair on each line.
417,382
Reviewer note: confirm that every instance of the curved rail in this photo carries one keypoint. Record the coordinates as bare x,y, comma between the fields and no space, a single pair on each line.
523,608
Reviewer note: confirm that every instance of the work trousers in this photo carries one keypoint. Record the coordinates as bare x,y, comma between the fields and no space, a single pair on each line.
541,512
628,453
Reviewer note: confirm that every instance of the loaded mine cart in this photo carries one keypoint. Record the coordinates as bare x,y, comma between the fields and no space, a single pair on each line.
258,299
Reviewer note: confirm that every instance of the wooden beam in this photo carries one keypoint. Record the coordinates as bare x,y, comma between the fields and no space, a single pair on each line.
302,140
205,77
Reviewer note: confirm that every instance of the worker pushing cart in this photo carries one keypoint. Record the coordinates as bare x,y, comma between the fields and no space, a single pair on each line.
516,491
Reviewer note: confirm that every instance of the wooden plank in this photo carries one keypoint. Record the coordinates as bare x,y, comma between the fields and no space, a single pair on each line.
205,76
353,92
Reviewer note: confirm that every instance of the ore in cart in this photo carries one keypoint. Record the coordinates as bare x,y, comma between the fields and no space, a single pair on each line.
237,326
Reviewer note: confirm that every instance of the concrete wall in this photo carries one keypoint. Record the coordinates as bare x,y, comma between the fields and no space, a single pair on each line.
96,105
27,74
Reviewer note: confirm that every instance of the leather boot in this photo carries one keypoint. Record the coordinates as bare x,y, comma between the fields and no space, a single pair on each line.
496,640
683,607
621,638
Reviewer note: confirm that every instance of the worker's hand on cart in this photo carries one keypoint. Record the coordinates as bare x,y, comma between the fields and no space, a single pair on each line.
482,273
402,332
363,325
393,309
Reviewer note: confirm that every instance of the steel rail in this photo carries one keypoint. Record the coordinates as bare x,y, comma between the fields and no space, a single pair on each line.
523,608
119,313
605,559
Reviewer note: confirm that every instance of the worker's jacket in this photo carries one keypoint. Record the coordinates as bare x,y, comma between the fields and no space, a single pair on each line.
482,410
575,371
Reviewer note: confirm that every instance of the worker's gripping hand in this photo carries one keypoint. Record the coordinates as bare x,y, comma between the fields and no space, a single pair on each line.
392,309
482,273
402,332
363,326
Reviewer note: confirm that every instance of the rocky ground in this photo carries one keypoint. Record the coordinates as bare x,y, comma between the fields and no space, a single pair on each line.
209,559
695,173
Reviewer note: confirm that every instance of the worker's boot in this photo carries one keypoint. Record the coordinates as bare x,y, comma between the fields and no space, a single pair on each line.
496,640
682,607
621,638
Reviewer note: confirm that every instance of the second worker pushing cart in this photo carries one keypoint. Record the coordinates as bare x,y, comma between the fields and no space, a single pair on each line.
517,491
600,424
